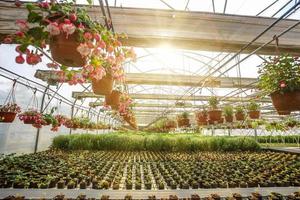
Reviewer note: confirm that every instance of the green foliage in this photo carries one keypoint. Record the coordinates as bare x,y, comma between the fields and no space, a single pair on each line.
153,142
239,109
291,139
280,74
213,102
228,110
253,106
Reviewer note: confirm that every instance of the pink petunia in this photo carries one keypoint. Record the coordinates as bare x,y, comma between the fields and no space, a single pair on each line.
83,49
22,24
68,28
53,28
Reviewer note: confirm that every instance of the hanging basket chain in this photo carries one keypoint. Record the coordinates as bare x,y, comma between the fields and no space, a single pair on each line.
11,99
33,101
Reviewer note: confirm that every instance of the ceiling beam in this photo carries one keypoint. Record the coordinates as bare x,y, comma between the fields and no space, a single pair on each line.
185,30
80,95
52,78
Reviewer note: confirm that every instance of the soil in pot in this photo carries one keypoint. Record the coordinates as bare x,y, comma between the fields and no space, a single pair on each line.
7,117
64,50
286,102
103,86
214,115
254,114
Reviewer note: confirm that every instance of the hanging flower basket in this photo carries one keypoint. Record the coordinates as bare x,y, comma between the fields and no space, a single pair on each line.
64,50
214,115
286,102
113,99
7,117
75,40
103,86
32,117
8,112
201,117
279,77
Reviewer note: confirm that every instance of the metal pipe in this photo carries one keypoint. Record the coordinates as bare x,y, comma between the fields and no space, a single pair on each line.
38,130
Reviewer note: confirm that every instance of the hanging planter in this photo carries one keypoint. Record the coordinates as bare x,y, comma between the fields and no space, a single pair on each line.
253,110
279,77
183,120
75,40
201,117
9,110
103,86
228,113
64,50
32,117
214,114
286,102
113,99
239,113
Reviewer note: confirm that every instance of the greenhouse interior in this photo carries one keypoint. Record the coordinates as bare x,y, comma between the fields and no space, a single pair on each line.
160,99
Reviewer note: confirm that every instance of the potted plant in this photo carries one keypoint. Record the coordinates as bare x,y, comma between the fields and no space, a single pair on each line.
214,114
239,113
8,112
183,120
228,113
32,117
279,77
75,40
201,117
253,110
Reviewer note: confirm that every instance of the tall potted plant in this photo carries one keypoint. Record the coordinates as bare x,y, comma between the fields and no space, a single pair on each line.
214,114
8,112
253,110
279,77
228,113
75,40
239,113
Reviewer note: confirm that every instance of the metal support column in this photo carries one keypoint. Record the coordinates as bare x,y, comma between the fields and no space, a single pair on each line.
41,110
255,134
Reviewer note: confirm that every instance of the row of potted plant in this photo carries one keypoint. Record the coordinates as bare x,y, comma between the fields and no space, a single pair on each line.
75,40
213,196
148,170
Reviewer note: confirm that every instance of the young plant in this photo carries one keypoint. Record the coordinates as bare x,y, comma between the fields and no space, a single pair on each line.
213,102
253,106
228,111
239,109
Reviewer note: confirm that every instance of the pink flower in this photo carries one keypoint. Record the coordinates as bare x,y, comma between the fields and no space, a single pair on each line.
83,49
52,65
7,40
53,28
88,36
102,44
98,73
282,84
110,49
97,37
22,24
20,59
81,26
68,28
20,34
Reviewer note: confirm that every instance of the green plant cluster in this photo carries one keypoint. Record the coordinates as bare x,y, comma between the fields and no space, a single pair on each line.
280,74
161,170
291,139
153,142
